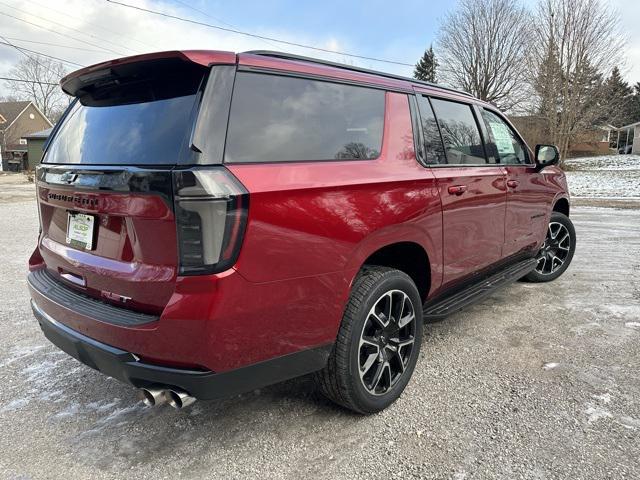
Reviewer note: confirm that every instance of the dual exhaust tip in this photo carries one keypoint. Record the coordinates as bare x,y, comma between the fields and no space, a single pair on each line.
157,396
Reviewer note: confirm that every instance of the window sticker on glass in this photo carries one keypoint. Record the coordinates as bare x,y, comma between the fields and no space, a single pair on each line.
502,137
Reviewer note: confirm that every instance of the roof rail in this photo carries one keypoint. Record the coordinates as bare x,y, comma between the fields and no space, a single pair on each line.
290,56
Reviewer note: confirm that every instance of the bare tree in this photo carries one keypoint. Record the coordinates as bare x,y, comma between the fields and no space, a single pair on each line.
571,55
39,83
483,44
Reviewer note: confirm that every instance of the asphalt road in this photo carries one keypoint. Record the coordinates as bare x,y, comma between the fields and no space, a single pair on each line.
535,382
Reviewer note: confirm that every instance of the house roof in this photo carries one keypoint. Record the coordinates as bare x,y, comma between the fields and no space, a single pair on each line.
628,126
11,110
41,134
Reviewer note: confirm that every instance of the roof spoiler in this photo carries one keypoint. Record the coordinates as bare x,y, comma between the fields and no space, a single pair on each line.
112,71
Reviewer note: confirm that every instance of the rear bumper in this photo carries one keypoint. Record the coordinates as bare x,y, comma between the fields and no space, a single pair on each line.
206,385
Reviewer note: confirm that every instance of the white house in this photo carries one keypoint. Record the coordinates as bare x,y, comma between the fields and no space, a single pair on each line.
627,135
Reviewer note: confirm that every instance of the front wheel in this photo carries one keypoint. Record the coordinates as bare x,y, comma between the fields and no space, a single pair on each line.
378,342
556,252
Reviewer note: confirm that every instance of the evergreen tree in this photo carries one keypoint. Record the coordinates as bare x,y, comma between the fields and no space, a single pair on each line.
634,110
426,67
548,85
618,98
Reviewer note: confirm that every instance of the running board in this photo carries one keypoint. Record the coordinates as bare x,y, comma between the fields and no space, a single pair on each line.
445,306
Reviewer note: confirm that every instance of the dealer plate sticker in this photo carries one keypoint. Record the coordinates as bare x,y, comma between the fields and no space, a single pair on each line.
80,230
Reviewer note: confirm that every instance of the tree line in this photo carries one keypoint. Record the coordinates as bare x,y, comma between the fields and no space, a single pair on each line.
557,61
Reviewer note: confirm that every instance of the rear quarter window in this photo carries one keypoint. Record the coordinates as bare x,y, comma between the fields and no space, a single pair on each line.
284,119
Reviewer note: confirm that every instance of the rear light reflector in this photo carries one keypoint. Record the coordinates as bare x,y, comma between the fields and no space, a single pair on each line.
211,211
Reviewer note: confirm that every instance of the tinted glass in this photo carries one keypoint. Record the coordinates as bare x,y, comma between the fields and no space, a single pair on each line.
284,119
135,134
462,140
433,147
504,142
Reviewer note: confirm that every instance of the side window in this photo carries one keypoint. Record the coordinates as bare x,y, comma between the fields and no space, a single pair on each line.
508,147
433,147
285,119
462,140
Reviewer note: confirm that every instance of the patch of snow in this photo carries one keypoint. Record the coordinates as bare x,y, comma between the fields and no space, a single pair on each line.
605,162
117,414
630,423
605,177
604,398
19,353
72,410
103,406
596,413
16,404
633,325
550,365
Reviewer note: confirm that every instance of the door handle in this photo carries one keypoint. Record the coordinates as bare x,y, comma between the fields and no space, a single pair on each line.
512,183
457,189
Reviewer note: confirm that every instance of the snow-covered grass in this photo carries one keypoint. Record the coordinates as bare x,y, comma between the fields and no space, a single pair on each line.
604,177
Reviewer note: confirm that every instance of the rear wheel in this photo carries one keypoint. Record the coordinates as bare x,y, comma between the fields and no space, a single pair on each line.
556,252
378,342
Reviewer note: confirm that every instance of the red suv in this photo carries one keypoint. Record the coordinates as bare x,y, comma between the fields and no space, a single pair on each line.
212,223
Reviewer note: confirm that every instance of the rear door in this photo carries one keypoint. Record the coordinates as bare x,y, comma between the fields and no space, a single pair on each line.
471,185
528,196
105,190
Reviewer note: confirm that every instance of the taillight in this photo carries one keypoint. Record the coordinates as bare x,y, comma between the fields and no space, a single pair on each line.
211,212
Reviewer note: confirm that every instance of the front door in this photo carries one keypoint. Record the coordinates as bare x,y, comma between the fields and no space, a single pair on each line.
472,189
528,199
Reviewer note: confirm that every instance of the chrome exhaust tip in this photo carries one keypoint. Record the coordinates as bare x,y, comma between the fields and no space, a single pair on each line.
178,399
152,396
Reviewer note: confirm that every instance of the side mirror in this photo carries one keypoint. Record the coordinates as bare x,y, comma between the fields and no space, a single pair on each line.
547,155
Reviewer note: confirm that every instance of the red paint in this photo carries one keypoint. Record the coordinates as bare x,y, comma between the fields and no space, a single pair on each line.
135,254
473,221
310,228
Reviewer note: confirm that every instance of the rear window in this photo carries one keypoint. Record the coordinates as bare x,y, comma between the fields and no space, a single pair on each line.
136,121
285,119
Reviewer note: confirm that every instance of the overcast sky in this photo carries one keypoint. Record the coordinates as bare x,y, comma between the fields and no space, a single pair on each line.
89,31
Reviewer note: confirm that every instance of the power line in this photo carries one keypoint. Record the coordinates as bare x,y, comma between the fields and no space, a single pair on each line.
72,29
23,52
61,34
262,37
98,26
40,53
28,81
202,12
24,40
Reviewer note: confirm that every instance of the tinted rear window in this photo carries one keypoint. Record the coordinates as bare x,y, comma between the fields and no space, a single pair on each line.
143,118
140,133
285,119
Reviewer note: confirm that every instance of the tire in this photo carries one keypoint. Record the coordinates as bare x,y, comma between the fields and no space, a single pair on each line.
375,297
553,250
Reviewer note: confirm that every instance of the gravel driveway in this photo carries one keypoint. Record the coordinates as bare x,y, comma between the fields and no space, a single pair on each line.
537,381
